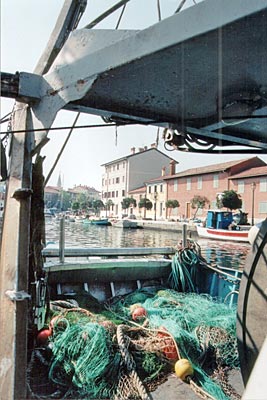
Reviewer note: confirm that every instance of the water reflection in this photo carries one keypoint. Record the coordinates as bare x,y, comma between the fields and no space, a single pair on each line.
223,254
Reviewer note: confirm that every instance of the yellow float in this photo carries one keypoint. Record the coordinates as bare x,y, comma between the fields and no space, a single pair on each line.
183,369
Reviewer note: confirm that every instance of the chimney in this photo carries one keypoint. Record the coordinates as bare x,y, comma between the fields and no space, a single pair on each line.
133,150
172,167
163,171
140,149
145,148
153,145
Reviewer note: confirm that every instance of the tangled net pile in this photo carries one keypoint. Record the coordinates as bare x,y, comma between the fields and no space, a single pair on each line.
105,355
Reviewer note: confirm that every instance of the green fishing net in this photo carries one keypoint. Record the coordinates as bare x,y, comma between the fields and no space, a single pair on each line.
83,356
203,328
90,360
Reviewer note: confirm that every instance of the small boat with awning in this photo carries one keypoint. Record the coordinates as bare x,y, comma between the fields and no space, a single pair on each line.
220,225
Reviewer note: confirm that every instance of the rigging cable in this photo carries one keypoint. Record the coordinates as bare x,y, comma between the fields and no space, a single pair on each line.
62,149
159,11
120,17
180,6
58,128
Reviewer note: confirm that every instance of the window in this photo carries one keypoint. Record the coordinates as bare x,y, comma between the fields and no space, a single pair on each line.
118,166
240,186
117,193
161,188
117,180
149,189
263,185
215,180
113,194
161,209
123,192
263,207
199,182
123,165
175,185
113,167
188,184
155,189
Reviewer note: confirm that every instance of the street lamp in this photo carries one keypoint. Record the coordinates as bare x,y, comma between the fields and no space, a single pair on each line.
155,205
253,187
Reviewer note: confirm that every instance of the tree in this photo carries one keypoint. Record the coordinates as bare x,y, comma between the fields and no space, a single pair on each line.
108,204
146,204
128,202
84,201
97,205
75,206
198,202
229,199
66,200
171,204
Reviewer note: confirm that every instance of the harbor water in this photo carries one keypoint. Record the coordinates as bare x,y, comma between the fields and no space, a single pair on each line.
223,254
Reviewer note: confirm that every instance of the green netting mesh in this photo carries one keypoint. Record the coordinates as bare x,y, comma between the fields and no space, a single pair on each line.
202,326
84,356
90,360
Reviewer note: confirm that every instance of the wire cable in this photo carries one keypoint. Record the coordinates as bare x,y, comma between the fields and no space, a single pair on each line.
120,17
69,127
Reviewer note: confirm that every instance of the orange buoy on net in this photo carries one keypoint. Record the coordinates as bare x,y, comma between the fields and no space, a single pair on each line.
169,349
183,369
139,313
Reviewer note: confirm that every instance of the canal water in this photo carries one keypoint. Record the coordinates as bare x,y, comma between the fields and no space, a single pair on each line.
224,254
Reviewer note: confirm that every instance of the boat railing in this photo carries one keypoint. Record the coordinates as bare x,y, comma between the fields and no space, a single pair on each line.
109,252
61,251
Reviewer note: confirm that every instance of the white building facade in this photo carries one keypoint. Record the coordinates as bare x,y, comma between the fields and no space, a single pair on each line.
130,172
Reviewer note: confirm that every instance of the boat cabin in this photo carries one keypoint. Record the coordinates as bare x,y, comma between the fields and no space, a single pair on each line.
218,219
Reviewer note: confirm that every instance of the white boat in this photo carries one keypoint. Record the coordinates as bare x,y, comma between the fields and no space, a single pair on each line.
125,223
223,234
220,225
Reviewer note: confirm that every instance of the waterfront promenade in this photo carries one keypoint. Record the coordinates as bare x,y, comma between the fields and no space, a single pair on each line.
169,226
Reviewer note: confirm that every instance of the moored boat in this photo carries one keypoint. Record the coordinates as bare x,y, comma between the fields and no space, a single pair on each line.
220,225
97,221
126,223
143,296
223,234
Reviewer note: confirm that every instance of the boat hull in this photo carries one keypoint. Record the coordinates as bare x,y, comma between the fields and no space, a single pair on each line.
126,223
102,222
223,234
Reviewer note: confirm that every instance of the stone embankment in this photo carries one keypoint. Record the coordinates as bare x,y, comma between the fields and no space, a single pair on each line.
177,227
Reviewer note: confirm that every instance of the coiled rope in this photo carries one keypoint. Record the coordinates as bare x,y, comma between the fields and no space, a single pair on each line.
129,363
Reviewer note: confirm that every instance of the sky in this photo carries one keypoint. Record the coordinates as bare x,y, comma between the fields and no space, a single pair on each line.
26,26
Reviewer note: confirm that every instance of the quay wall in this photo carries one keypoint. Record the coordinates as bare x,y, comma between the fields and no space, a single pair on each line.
176,227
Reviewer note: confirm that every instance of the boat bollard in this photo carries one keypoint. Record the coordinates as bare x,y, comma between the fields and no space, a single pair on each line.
62,241
184,237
